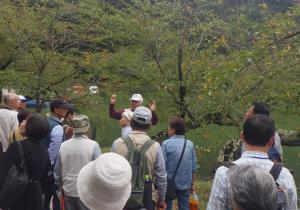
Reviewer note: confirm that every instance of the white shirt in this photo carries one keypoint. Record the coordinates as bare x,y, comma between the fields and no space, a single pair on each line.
218,199
126,131
8,123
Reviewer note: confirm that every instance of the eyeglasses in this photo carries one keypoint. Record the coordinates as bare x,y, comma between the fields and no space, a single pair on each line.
134,102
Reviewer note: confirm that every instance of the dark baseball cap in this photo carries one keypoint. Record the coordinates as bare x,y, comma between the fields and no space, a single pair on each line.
59,103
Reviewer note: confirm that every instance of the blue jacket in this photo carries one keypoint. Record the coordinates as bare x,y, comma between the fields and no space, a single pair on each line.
172,149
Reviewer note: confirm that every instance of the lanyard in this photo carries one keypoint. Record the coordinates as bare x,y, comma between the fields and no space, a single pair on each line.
262,158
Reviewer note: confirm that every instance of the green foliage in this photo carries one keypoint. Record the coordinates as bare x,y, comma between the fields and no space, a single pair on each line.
203,60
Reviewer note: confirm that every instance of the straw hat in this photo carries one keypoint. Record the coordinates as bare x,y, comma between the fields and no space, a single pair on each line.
104,184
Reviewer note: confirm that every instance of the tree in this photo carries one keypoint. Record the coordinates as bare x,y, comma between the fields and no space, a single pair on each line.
49,47
212,68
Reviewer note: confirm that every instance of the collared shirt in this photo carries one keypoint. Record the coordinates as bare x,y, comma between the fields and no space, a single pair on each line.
172,149
73,155
218,199
56,136
8,123
155,160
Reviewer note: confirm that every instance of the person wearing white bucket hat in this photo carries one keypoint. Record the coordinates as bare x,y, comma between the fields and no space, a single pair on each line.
104,184
136,101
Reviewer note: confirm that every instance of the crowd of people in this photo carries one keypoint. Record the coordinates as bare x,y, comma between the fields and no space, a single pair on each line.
65,169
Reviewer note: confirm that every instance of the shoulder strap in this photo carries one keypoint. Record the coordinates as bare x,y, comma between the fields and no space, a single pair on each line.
21,151
129,143
275,170
143,151
14,135
130,146
179,160
229,164
146,146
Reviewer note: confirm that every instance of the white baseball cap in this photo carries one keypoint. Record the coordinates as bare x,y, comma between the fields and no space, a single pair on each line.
22,98
137,97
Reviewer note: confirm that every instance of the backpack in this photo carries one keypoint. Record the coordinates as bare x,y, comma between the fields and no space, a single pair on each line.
280,194
140,172
16,182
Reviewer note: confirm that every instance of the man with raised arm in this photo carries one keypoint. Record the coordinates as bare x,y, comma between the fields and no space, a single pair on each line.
136,101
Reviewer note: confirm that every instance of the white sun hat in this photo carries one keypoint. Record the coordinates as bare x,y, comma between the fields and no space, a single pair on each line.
128,115
137,97
104,184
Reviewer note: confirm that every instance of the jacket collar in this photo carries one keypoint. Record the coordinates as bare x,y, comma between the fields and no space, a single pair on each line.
139,132
52,117
177,137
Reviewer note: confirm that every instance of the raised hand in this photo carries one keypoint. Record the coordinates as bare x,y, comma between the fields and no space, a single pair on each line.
153,106
113,99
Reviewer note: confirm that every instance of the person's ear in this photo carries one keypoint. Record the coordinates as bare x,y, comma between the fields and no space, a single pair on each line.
242,136
171,131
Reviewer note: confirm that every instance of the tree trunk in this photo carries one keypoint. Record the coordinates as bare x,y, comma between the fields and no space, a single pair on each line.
181,90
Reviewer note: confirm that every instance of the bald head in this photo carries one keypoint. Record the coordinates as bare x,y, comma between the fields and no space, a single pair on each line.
11,100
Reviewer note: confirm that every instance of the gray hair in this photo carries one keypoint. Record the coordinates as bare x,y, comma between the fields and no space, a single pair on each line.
251,188
8,97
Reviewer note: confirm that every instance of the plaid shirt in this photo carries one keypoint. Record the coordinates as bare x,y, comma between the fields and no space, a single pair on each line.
218,199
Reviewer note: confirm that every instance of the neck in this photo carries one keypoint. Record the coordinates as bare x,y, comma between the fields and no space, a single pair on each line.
79,134
253,148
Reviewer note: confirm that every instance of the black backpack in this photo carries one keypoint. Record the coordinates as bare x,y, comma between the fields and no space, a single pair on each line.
280,194
16,182
140,172
275,171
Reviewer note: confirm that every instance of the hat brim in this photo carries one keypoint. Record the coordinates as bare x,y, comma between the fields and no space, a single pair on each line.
141,120
94,200
136,100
